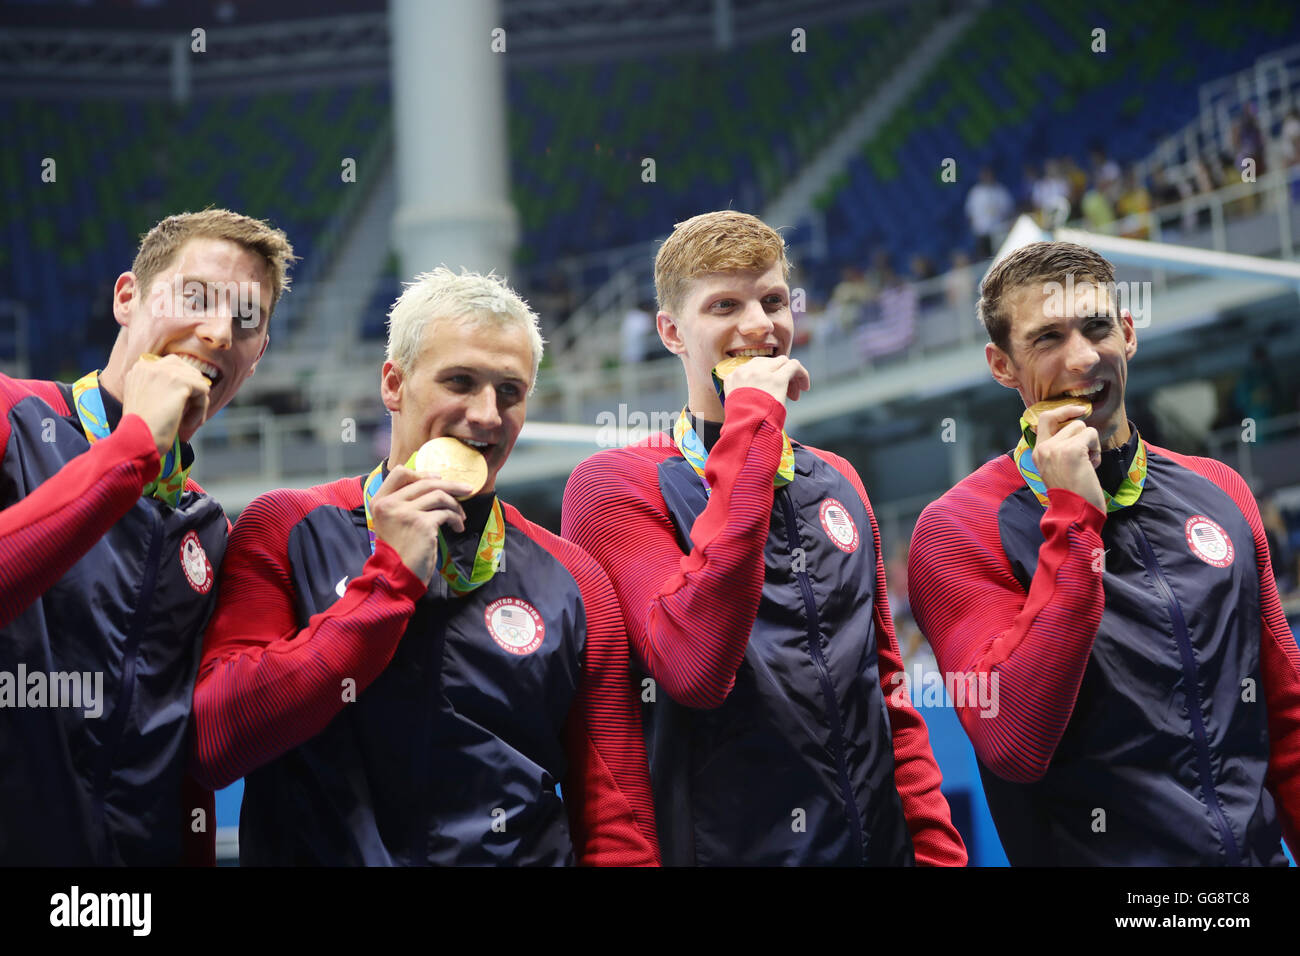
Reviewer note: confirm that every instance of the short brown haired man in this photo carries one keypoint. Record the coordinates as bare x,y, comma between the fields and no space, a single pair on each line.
749,571
1120,599
109,553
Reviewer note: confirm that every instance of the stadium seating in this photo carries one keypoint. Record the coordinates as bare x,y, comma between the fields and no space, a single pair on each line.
121,166
1054,97
723,128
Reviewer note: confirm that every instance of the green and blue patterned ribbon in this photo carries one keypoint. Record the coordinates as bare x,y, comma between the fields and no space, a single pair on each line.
89,403
693,450
487,557
1127,493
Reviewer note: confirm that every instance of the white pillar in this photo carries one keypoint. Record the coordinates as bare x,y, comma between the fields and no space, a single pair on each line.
453,198
724,31
181,69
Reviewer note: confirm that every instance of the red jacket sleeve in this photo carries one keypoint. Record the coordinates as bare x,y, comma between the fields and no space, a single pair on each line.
264,685
46,533
1279,662
916,774
979,620
688,617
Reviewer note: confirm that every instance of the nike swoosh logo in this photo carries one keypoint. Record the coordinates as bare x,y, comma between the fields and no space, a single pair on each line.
341,586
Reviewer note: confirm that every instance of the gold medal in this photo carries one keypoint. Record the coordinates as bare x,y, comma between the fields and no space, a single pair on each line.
150,357
727,366
1033,411
452,460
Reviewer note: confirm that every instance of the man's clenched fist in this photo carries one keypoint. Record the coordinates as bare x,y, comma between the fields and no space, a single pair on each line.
169,394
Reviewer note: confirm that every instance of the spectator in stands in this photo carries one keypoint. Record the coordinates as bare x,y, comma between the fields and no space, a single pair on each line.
1200,183
891,329
762,706
850,294
1231,173
405,667
1123,598
1098,211
110,552
879,270
1105,171
1248,142
1163,192
1290,143
1134,207
638,323
1025,202
1077,180
959,285
989,207
922,270
1290,137
1052,193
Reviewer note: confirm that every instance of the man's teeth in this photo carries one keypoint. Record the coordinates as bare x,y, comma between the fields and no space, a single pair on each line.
1085,392
211,371
474,444
750,353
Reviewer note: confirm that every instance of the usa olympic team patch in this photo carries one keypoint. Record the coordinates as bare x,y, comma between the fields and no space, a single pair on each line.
195,563
515,625
1208,541
838,525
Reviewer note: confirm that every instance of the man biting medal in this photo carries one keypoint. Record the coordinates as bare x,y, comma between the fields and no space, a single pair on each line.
401,664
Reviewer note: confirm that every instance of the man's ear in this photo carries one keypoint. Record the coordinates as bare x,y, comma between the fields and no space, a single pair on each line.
390,386
1001,366
669,333
125,293
1129,332
253,368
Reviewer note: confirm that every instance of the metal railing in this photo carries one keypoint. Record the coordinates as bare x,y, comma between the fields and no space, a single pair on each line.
1240,448
1270,85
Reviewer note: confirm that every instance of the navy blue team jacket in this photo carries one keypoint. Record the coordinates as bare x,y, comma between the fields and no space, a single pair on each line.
1169,733
103,790
805,726
452,755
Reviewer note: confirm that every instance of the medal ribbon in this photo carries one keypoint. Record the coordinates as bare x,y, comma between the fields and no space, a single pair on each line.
487,557
693,450
1127,493
94,422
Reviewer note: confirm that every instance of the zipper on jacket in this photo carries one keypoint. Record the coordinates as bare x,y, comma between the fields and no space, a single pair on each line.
139,624
1193,693
823,675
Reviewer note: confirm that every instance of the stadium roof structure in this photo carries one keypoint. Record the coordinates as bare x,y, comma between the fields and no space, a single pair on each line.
147,54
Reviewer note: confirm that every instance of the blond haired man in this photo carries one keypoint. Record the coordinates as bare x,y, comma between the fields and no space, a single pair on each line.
749,571
422,665
110,551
